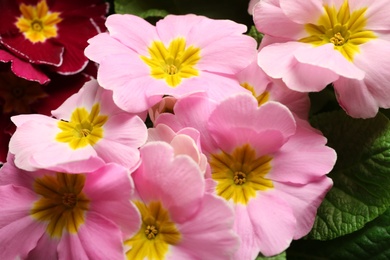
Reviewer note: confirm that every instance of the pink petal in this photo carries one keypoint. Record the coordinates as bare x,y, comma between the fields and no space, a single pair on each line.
214,236
263,143
304,158
377,13
103,45
19,233
10,174
297,102
132,31
46,249
273,223
308,78
70,247
325,56
159,170
243,111
249,243
355,98
110,190
373,53
278,59
304,201
270,19
92,240
302,11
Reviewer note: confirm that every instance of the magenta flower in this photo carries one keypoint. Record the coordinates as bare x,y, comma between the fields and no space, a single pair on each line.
88,131
43,32
270,167
55,215
23,69
178,56
179,220
309,44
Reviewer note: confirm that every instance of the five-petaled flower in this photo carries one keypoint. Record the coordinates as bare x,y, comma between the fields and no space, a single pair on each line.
263,162
88,131
178,56
43,32
310,44
46,214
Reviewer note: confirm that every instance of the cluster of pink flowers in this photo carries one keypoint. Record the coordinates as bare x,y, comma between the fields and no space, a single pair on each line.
230,167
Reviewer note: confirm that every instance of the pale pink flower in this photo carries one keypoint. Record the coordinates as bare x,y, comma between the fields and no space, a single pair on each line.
179,219
55,215
269,166
88,131
180,55
186,141
265,89
164,106
310,44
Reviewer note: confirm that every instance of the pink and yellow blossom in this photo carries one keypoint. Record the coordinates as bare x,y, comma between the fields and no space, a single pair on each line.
310,44
178,217
87,131
58,215
181,55
269,166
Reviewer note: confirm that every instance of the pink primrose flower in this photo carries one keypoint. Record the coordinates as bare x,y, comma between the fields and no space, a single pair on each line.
164,106
186,141
55,215
88,131
179,219
180,55
265,89
53,33
310,44
269,166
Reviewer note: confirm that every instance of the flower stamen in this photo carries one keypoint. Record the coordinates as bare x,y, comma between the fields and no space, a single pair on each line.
239,178
151,232
69,199
337,39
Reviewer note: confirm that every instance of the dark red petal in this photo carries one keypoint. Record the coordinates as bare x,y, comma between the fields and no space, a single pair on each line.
23,69
48,52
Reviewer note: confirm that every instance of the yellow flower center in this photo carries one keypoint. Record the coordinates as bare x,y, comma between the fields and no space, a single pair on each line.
261,98
18,94
62,204
83,129
241,174
37,23
173,63
157,232
344,29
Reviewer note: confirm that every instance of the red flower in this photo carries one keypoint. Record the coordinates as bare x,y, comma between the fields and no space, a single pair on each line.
51,32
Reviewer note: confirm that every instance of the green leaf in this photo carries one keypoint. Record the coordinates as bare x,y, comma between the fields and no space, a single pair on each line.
361,176
144,8
281,256
371,242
